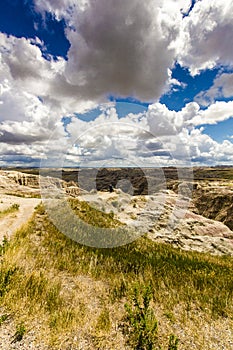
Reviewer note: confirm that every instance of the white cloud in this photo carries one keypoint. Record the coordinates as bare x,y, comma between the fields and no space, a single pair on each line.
111,140
23,67
217,112
120,47
207,34
163,121
222,88
204,150
26,121
127,47
124,48
60,8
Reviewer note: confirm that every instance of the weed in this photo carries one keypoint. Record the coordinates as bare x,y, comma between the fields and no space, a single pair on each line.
170,316
4,245
141,324
20,331
173,342
3,318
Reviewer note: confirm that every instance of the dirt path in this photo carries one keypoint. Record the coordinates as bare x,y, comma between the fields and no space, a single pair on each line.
11,222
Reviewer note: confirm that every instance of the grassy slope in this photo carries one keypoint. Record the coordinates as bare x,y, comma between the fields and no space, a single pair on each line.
69,291
93,216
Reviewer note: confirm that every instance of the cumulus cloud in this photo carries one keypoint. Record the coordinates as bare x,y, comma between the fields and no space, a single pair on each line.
163,121
207,34
222,88
26,122
134,140
23,67
217,112
127,48
60,8
204,150
119,47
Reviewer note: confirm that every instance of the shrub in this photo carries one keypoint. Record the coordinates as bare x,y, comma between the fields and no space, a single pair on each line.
142,326
20,331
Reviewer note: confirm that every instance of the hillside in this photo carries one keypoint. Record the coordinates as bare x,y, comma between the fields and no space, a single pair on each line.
58,294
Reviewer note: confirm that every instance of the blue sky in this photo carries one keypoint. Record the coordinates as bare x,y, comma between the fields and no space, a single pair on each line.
68,67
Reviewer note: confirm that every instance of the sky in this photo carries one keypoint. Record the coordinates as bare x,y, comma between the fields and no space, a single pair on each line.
116,83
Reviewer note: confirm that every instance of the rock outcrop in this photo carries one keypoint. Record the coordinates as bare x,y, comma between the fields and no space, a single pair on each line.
15,182
166,217
19,183
214,200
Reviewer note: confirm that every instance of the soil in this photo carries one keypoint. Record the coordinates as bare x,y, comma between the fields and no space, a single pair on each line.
9,223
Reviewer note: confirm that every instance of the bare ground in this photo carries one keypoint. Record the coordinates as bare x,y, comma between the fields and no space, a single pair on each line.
11,222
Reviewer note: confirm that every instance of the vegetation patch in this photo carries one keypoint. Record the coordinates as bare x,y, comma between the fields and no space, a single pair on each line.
12,209
111,297
93,216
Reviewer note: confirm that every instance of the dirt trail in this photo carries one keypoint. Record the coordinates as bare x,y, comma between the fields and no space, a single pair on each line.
11,222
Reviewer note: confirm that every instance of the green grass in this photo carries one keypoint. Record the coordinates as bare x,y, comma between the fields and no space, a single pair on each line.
12,209
39,261
93,216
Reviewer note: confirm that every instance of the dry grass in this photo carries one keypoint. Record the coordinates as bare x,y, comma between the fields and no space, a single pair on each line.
75,295
12,209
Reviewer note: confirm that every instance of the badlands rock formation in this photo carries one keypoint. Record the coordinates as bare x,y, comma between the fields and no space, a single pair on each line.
214,199
166,217
28,185
190,215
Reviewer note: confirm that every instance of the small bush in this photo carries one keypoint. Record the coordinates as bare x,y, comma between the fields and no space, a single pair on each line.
20,331
142,326
15,206
103,321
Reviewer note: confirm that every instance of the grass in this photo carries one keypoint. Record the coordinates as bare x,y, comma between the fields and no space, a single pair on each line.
93,216
72,289
12,209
